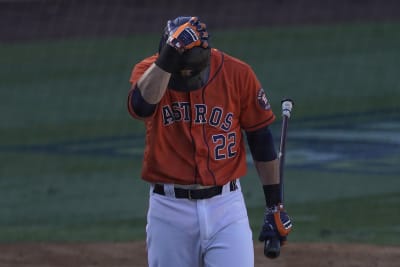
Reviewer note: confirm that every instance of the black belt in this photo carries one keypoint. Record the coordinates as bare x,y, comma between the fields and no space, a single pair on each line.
195,193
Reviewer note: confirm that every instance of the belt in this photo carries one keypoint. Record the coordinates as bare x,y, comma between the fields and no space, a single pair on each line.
203,193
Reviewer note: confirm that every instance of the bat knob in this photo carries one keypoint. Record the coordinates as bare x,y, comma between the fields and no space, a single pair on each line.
287,105
272,248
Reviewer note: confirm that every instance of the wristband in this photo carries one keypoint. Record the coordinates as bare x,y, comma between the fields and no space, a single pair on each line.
169,59
272,193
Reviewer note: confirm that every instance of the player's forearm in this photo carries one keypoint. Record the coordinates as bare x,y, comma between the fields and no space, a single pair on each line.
268,171
153,83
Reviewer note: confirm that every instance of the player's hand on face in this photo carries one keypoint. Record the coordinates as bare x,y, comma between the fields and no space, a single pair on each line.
188,35
276,224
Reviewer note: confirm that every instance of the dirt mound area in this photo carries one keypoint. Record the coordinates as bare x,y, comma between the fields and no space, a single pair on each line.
134,254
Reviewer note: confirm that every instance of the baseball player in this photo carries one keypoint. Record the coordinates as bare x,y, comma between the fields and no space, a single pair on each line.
198,105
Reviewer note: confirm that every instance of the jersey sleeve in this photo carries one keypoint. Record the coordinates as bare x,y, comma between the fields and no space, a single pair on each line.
140,68
137,72
256,110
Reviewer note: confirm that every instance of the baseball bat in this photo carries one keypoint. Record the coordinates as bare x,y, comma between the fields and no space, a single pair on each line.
272,247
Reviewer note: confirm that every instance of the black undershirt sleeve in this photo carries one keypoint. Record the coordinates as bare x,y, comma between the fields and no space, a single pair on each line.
141,107
261,144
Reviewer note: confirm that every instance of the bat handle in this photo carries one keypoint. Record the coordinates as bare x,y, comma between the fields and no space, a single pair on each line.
272,248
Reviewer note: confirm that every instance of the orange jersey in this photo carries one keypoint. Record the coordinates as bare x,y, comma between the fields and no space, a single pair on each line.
196,137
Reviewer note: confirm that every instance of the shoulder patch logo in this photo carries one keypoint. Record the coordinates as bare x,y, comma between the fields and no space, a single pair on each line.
262,99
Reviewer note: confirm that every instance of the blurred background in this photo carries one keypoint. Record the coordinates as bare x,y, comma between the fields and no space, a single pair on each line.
70,155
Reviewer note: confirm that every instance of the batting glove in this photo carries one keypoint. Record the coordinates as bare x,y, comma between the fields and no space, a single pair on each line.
276,224
188,35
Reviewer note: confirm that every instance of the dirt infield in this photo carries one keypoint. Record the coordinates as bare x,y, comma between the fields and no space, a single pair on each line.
134,254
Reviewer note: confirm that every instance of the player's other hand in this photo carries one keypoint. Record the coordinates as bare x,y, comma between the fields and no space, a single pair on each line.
188,35
276,224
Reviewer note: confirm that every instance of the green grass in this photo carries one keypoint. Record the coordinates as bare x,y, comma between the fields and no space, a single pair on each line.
330,67
73,90
113,230
83,83
368,219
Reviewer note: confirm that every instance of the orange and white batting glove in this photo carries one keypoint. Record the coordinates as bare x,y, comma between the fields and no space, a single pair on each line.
276,224
188,35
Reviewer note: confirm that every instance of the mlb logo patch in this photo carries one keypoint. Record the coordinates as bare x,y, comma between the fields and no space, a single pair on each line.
262,99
